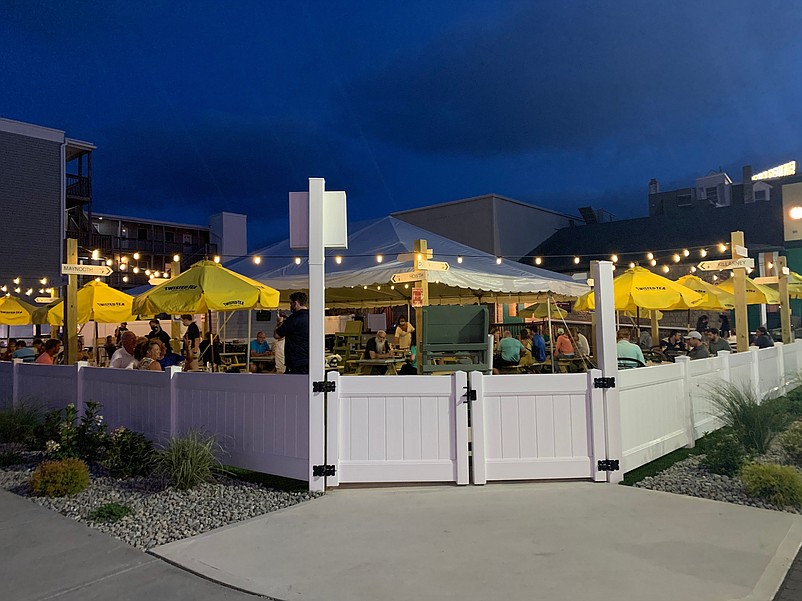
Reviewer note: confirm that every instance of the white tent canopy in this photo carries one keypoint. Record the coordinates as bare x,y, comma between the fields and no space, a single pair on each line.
477,279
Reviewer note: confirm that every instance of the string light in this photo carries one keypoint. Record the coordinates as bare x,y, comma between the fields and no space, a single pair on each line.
95,254
297,260
676,258
576,260
653,262
338,259
632,265
715,277
29,291
257,260
686,252
97,279
365,287
136,269
392,287
722,247
459,259
217,258
17,290
16,280
109,262
176,258
43,281
406,285
4,288
378,287
156,274
703,253
124,266
693,268
379,258
771,265
125,278
650,256
147,272
498,260
614,258
41,290
136,257
665,268
49,290
538,260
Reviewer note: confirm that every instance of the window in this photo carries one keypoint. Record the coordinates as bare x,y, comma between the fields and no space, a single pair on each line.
142,234
169,236
684,200
187,238
760,195
712,195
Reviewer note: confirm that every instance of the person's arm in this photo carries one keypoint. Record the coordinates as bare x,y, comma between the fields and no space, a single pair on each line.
155,366
397,338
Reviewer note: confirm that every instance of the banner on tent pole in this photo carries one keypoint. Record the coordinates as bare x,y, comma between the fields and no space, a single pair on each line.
417,298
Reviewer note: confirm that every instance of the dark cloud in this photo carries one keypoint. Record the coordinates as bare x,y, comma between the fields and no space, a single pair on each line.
573,77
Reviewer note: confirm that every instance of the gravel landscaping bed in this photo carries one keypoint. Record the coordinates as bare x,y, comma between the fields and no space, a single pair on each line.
689,477
161,513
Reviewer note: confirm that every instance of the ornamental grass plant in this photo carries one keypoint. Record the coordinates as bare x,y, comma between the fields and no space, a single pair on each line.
190,459
739,407
18,424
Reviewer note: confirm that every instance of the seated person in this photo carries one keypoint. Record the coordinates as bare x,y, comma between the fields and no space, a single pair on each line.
171,359
581,344
509,351
10,348
538,345
673,345
378,348
629,355
697,348
762,338
563,348
526,340
716,343
410,367
110,348
259,348
24,352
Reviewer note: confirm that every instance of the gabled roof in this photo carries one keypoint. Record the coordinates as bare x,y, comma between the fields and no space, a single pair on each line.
491,196
761,222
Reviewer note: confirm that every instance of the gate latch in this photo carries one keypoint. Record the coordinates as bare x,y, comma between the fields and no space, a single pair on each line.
604,382
320,471
323,386
608,465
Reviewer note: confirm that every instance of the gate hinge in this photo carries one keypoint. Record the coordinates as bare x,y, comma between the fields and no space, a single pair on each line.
604,382
470,393
323,386
323,470
608,465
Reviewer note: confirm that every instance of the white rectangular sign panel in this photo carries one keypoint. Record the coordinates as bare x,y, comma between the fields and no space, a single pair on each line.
409,276
94,270
335,220
744,262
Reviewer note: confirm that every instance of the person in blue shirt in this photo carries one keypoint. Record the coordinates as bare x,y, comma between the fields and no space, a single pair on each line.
259,348
538,345
24,352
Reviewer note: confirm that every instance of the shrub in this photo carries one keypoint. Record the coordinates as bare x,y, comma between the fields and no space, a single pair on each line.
791,443
190,459
778,484
18,424
128,454
724,453
63,435
60,478
110,512
739,407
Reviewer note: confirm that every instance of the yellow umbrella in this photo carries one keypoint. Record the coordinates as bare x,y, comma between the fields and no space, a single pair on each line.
15,312
715,297
639,288
542,310
203,287
756,294
97,301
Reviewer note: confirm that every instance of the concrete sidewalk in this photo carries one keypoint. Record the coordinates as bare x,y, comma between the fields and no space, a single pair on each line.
44,555
556,541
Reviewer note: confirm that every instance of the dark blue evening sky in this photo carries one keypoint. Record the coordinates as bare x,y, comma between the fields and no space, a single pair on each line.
198,107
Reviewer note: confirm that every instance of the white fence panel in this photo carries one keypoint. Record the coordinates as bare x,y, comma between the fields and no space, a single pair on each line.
704,374
261,421
410,429
653,419
136,399
741,368
6,384
792,361
48,386
768,370
527,427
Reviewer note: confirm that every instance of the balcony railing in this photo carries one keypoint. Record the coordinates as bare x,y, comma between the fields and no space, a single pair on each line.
79,186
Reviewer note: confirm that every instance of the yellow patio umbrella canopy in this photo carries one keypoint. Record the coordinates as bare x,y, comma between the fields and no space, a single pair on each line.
15,312
756,294
715,297
639,288
542,310
97,301
203,287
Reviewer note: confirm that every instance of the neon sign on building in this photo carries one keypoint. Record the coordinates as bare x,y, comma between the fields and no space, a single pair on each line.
788,168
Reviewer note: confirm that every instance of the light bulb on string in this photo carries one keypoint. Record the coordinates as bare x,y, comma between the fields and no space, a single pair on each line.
650,256
125,278
147,272
538,261
392,287
176,258
29,291
676,258
722,247
17,289
665,268
653,262
156,274
406,285
16,280
43,281
498,260
41,290
632,265
4,288
109,262
136,269
459,259
686,252
365,287
715,277
95,254
379,258
338,259
614,258
257,260
576,260
136,257
703,253
217,258
693,268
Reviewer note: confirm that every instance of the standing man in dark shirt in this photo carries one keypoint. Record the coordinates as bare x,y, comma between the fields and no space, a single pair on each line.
157,332
295,331
192,336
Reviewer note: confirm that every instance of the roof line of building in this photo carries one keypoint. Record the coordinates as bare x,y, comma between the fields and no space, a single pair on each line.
481,196
151,221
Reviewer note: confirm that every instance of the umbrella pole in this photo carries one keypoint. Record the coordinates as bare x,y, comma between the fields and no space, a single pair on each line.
248,348
637,318
97,348
551,334
689,321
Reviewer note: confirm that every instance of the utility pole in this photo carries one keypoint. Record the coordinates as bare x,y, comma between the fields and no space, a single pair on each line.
739,288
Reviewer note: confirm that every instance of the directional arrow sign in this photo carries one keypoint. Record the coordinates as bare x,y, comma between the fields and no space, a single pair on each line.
744,262
44,299
157,281
403,257
94,270
434,265
772,279
409,276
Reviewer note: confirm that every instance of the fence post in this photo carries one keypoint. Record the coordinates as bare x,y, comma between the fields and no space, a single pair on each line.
79,387
724,362
15,363
333,428
173,372
690,426
459,394
754,367
780,367
596,411
478,428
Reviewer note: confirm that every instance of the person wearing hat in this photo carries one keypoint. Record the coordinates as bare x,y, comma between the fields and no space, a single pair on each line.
698,349
563,347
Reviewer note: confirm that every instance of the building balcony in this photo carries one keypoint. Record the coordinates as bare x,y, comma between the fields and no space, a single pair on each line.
79,190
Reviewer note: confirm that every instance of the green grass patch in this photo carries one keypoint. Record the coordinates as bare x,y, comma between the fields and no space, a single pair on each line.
110,512
658,465
268,480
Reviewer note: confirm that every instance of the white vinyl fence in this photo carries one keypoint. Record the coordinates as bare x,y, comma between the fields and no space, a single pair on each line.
458,428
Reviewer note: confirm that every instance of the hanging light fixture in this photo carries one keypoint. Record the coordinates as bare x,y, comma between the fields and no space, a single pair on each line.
459,259
653,262
379,258
538,261
703,253
297,260
338,259
686,252
676,258
576,260
650,256
614,258
257,260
